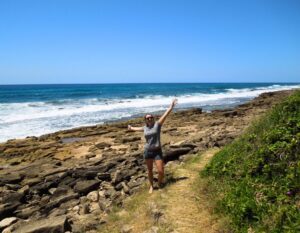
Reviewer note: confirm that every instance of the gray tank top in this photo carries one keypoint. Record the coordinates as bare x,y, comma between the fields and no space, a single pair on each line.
152,136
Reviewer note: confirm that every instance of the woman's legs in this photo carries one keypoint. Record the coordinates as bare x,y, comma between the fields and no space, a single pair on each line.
149,163
160,169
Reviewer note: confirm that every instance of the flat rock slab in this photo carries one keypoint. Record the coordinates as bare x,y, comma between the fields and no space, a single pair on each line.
57,224
7,222
85,186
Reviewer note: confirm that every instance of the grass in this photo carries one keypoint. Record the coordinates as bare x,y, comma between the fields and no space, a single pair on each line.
256,179
183,202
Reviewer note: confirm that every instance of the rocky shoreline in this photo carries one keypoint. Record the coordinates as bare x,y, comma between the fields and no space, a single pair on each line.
69,180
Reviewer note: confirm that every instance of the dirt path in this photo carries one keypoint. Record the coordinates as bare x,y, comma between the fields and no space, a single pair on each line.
180,207
186,209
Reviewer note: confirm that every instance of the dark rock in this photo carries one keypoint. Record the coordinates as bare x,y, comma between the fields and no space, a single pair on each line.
42,188
10,179
175,154
121,175
85,186
32,181
68,180
102,145
55,202
7,209
90,155
11,197
130,139
196,110
57,224
27,212
14,187
103,176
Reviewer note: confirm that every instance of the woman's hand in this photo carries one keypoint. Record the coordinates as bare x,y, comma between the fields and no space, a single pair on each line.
131,128
174,102
163,117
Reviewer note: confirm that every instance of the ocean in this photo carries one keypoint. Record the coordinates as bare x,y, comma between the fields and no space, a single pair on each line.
34,110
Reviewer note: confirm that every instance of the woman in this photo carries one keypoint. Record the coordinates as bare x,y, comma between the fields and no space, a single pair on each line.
152,150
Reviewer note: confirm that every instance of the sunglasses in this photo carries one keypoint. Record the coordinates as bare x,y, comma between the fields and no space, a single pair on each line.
149,118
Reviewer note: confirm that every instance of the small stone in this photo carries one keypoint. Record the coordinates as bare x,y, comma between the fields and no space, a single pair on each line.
52,190
126,229
102,193
152,230
76,209
84,209
93,196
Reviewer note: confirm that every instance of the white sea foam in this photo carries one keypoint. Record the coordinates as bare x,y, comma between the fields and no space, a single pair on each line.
18,120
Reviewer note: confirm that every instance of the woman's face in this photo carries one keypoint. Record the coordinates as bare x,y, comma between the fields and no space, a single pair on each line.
149,119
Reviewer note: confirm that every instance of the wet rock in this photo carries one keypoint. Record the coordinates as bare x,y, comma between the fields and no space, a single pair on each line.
57,224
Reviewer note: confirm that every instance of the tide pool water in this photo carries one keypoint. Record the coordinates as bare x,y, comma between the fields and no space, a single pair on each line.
33,110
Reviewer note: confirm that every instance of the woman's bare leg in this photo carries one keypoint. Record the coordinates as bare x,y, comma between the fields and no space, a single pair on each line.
160,169
149,163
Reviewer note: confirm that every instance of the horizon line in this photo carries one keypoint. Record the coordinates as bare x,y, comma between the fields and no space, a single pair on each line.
116,83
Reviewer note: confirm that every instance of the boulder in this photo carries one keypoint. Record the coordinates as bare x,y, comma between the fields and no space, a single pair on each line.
58,224
93,196
102,145
176,153
7,222
27,212
85,186
7,209
13,178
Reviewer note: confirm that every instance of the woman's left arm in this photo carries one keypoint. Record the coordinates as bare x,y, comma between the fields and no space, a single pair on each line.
163,117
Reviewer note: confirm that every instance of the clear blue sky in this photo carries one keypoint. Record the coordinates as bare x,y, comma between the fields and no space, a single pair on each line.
60,41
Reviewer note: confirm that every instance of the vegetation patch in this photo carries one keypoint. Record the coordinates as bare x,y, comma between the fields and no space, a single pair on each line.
256,179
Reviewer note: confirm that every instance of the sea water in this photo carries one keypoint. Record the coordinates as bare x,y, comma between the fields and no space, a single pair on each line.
33,110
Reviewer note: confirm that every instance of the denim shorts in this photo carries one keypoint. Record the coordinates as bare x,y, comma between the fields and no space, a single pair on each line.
156,155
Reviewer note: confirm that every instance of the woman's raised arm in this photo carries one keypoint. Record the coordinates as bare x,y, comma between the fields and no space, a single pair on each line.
135,128
167,112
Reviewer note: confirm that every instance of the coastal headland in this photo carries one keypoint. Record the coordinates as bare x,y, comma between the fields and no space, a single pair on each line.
69,180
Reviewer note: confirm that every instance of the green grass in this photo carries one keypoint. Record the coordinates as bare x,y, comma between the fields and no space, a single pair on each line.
256,179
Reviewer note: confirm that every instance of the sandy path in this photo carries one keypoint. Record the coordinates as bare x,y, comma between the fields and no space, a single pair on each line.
185,209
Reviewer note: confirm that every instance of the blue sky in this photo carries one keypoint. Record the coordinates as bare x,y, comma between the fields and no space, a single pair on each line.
60,41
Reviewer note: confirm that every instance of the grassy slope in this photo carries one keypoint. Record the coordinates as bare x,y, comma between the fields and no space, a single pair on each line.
256,179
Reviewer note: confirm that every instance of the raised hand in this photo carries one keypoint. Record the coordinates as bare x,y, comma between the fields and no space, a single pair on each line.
174,102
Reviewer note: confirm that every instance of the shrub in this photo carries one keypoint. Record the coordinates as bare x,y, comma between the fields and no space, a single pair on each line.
258,175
